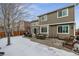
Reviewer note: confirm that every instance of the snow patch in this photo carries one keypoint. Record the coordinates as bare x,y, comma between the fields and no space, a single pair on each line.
25,47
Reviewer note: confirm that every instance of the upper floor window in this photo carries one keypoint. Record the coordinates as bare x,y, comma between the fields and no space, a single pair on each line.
65,12
62,13
44,18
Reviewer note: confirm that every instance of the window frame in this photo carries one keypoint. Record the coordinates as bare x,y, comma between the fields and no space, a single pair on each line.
42,29
47,29
44,18
62,13
62,31
66,12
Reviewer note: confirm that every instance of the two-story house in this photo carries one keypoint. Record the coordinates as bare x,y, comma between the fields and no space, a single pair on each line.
59,23
23,26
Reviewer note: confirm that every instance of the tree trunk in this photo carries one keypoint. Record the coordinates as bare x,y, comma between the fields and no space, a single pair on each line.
8,31
8,36
5,30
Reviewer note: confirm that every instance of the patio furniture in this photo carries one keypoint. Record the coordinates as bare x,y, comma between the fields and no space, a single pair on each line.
40,36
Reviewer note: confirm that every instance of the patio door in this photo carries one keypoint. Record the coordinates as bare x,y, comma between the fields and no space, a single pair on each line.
35,31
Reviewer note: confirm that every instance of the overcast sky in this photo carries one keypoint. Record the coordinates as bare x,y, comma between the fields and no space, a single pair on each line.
41,8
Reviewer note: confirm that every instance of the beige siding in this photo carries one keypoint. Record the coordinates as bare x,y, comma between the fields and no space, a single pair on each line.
71,32
53,31
52,17
35,23
1,29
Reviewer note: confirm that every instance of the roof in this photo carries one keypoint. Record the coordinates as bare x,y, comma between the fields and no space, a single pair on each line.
57,10
34,21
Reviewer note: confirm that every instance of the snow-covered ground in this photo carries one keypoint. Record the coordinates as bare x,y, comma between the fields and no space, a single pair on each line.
24,47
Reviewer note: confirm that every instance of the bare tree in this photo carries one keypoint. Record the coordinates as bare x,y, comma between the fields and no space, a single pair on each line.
9,13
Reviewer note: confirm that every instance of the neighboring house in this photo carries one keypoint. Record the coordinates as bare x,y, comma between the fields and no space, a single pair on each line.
1,26
19,28
22,26
59,23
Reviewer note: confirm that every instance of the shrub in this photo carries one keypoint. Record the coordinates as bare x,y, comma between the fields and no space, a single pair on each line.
27,35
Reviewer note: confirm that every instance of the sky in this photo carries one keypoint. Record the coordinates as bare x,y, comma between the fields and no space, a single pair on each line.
41,8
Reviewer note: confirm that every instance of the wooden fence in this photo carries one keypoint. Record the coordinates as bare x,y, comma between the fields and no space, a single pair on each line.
2,34
15,33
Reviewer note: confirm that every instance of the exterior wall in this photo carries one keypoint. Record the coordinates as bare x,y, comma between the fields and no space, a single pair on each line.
21,26
37,29
53,32
46,33
34,25
1,29
52,17
27,27
71,32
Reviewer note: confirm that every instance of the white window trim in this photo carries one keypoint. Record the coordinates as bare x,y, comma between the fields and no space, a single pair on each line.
58,16
44,32
32,30
63,33
67,12
45,18
62,13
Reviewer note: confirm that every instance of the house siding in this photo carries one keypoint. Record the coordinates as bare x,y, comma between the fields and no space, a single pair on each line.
53,22
71,32
53,31
52,17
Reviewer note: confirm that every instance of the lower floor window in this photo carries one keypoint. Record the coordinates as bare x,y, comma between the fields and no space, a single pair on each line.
43,29
63,29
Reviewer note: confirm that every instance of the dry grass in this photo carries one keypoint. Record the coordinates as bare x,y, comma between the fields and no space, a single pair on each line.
52,42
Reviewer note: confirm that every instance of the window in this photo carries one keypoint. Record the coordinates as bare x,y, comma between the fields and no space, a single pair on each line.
60,29
63,29
62,13
43,29
44,18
